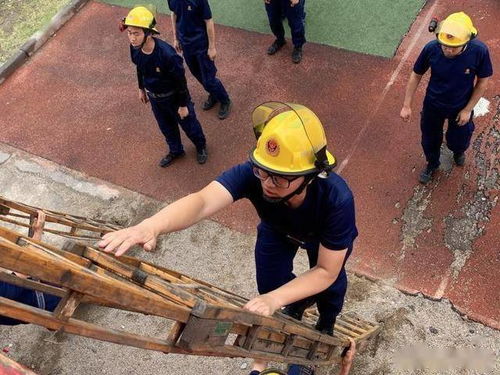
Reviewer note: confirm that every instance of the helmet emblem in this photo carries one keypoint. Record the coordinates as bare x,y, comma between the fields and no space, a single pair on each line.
272,147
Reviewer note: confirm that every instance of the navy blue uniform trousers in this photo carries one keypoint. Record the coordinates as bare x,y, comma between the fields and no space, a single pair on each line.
274,255
165,112
432,124
28,297
295,15
204,70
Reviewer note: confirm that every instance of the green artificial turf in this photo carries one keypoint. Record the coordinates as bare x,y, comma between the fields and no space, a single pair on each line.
370,26
19,19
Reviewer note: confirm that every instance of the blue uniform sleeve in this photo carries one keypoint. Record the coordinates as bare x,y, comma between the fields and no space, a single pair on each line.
174,66
485,68
205,10
340,227
237,180
171,5
423,62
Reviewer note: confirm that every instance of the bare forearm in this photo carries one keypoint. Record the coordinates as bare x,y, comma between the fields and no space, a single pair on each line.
477,93
210,32
307,284
179,215
411,87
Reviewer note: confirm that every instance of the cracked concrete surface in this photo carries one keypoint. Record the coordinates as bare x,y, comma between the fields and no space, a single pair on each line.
221,256
468,222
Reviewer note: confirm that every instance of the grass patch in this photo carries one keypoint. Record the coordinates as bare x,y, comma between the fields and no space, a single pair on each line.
19,19
369,26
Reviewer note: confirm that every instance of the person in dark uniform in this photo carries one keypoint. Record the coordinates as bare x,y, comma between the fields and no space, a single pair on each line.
460,69
300,202
293,10
194,36
27,296
162,82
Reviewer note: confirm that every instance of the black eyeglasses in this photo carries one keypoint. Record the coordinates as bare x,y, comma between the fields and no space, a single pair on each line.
278,180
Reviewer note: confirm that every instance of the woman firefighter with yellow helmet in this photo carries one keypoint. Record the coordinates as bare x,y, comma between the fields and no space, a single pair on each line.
460,68
301,203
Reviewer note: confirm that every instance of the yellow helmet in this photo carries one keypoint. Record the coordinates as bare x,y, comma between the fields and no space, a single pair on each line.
272,371
141,16
290,140
456,30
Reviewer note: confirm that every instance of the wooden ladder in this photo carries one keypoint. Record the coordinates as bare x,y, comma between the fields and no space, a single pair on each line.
205,320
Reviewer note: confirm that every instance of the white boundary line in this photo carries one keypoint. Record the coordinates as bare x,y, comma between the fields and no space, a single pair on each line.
389,84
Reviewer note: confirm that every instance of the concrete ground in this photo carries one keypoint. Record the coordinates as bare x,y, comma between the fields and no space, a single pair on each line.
225,259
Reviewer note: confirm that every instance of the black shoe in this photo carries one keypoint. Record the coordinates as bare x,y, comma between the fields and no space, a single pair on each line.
169,158
202,155
275,47
209,103
459,158
224,110
297,55
296,309
325,329
426,174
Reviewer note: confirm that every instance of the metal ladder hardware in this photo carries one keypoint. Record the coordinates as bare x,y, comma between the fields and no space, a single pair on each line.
206,320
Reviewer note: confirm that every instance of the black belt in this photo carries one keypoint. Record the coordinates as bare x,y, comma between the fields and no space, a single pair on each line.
160,95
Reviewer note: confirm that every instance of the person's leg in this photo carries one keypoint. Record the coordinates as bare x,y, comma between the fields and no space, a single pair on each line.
192,127
213,85
167,122
331,300
295,16
274,265
458,138
274,11
193,64
27,296
431,126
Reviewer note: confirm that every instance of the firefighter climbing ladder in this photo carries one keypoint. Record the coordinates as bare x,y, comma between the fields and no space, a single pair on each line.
205,320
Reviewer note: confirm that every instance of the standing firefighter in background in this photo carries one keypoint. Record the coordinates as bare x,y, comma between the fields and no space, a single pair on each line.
456,59
162,82
194,35
300,202
293,10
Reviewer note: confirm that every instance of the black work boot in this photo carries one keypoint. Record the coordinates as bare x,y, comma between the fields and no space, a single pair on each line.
224,110
275,47
324,327
169,158
297,55
426,174
202,155
459,158
296,309
209,103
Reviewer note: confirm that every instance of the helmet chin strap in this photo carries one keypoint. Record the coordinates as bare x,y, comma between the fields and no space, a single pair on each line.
307,180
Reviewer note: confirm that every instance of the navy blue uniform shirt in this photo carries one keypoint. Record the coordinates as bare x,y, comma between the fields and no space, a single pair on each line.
190,25
326,215
452,79
162,71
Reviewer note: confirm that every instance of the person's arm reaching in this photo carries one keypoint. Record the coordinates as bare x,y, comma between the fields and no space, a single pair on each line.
179,215
307,284
348,359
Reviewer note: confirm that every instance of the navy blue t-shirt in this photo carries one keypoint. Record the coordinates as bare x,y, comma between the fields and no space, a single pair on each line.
162,71
452,79
190,25
326,215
